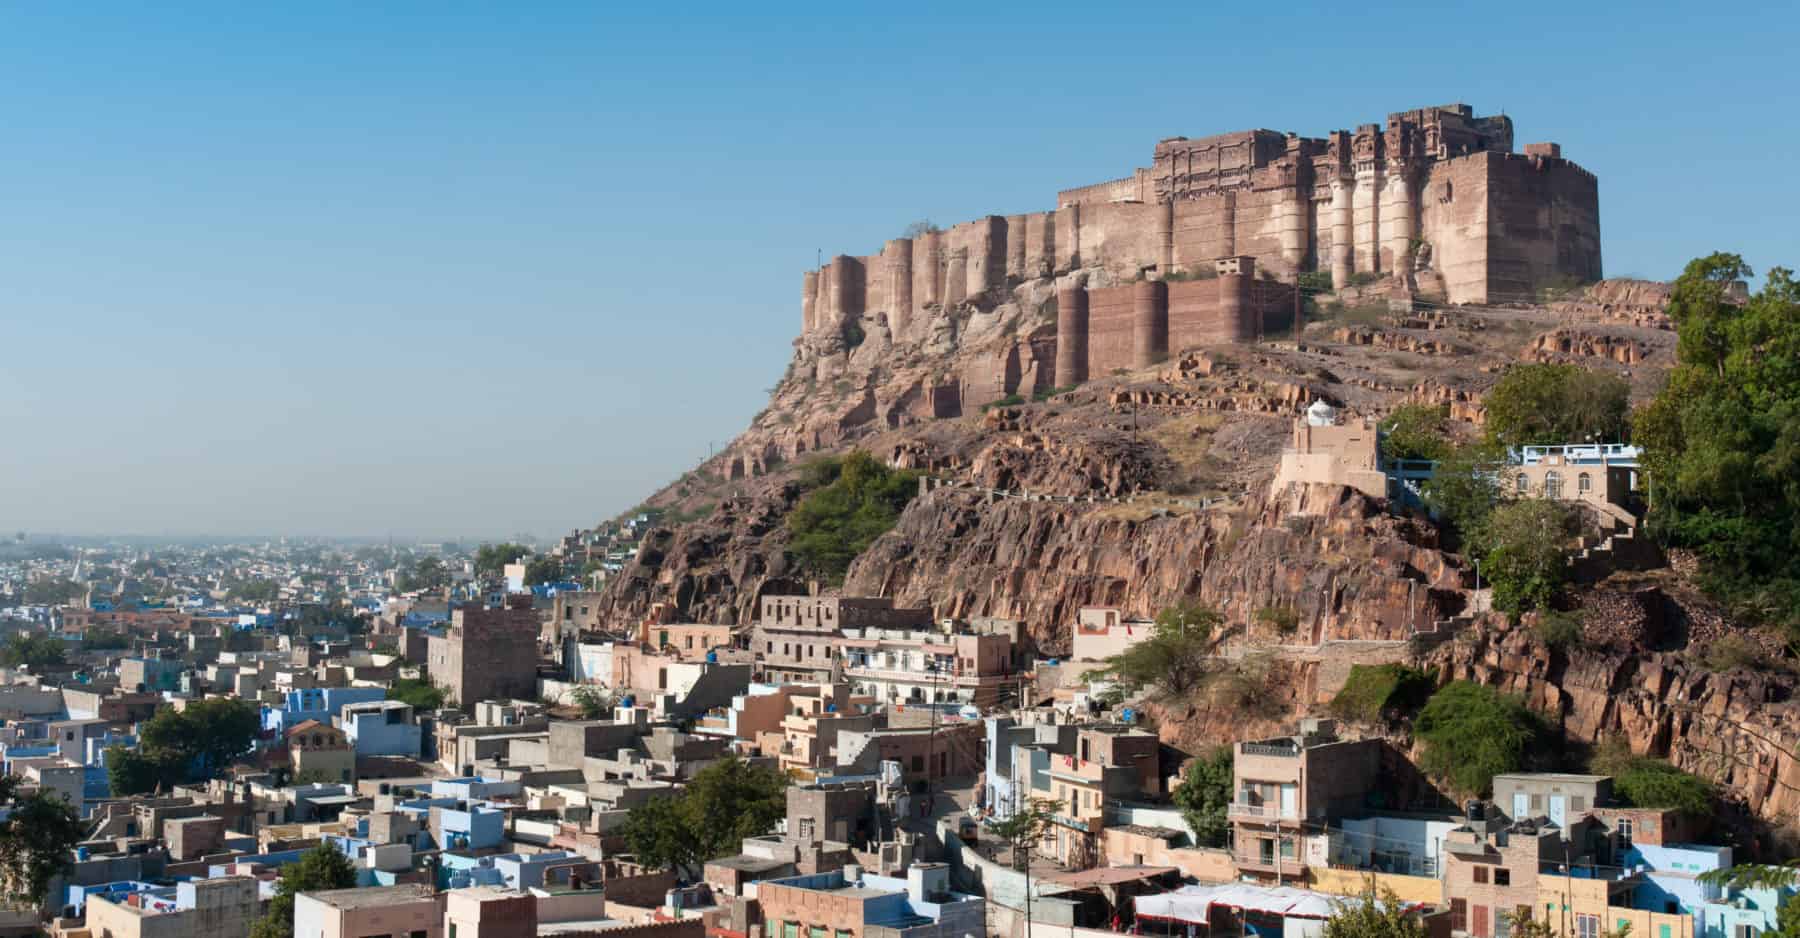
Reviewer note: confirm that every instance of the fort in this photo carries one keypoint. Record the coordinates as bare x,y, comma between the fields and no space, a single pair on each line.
1207,243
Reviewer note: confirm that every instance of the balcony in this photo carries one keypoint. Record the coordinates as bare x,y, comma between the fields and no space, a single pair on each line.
1285,867
1252,811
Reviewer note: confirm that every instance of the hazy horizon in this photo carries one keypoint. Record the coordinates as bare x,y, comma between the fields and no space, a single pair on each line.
421,271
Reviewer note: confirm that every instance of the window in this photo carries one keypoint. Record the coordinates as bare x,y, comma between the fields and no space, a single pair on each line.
1584,483
790,930
452,931
1553,485
1502,877
1587,926
817,931
1522,483
918,763
416,934
1481,875
1624,833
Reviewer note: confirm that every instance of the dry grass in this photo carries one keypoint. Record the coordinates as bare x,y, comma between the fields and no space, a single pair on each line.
1188,441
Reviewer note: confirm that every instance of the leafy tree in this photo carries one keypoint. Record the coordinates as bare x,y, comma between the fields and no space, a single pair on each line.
37,838
723,804
323,867
1417,431
53,591
104,640
418,692
1473,733
1175,657
132,773
1372,692
1549,404
37,652
1722,440
1024,828
1649,782
427,573
594,703
1373,915
545,569
840,519
1526,552
491,559
201,739
1463,491
1204,796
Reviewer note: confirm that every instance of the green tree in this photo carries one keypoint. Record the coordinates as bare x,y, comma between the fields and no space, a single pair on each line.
1649,782
491,559
1549,404
1175,657
426,573
1373,914
1463,491
723,804
37,840
37,652
594,703
201,739
1417,431
323,867
1374,692
1722,439
53,591
253,591
545,569
840,519
418,692
1526,552
132,773
1024,828
1204,796
1473,733
104,640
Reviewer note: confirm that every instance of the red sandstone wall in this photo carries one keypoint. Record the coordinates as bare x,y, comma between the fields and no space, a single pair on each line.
1259,217
1544,217
1109,330
1453,216
1132,188
1203,233
1120,236
1194,315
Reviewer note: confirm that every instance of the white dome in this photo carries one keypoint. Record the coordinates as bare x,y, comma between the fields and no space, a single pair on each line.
1321,414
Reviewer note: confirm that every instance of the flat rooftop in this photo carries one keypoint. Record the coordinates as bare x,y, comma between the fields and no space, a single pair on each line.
370,896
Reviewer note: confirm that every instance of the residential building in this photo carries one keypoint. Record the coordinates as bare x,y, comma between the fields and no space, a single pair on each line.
796,636
225,907
318,752
410,909
1558,796
488,653
382,728
926,666
1096,766
322,704
1290,786
1103,631
849,903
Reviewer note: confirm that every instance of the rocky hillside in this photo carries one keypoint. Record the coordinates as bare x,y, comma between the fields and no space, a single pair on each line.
1142,488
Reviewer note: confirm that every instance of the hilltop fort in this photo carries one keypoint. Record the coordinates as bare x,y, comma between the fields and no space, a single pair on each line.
1435,203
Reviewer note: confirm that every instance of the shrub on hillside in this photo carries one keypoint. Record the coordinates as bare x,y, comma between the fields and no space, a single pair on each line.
839,520
1549,404
1371,692
1473,733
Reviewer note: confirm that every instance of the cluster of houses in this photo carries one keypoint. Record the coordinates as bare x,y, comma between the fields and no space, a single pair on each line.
501,811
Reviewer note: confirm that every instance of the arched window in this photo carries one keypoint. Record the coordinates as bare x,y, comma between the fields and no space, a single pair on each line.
1523,483
1584,483
1553,484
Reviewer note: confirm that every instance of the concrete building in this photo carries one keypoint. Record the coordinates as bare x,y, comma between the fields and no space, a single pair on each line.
796,637
1103,631
488,653
412,909
926,665
206,908
1081,771
849,903
1287,787
382,728
320,753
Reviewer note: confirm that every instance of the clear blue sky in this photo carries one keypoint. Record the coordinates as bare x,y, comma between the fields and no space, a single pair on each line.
477,269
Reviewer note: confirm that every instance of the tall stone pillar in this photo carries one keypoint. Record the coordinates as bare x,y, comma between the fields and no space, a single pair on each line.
1149,323
809,301
1237,305
1015,247
933,243
899,254
1293,230
1367,209
1071,336
1341,236
1165,237
846,289
956,277
1397,219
